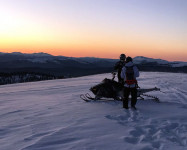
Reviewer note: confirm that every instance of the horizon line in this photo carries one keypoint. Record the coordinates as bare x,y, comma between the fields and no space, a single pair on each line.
84,56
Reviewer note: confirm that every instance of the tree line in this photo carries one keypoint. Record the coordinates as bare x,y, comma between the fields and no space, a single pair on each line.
20,77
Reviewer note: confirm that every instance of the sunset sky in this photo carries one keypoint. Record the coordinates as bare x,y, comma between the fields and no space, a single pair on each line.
95,28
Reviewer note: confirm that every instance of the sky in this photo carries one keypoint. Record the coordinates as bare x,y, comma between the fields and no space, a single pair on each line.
95,28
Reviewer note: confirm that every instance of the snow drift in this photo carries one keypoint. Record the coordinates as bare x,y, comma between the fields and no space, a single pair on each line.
49,115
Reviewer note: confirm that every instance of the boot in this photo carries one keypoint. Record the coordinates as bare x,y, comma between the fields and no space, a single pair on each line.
133,107
126,107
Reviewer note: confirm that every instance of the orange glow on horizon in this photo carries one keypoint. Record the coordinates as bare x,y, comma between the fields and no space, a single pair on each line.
103,53
80,31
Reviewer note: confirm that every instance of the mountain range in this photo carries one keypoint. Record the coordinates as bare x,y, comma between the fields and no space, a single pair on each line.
73,67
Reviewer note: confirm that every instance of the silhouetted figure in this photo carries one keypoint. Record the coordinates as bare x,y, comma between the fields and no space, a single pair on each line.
118,66
129,74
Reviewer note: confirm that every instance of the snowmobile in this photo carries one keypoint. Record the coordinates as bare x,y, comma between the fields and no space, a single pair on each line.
109,90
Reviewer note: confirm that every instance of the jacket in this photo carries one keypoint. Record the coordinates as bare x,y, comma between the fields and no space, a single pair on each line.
118,66
123,73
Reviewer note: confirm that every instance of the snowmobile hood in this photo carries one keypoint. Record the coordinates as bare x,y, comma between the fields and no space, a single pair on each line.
129,64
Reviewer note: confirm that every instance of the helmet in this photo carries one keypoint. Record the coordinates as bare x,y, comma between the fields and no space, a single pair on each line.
122,57
128,59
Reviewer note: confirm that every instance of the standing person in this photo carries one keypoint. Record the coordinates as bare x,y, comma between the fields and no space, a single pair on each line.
118,66
129,74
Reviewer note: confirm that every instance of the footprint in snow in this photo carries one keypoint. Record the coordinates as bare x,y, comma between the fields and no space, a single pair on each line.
128,116
156,133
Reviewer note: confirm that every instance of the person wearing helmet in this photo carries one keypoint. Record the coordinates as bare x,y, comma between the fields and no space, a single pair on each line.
129,73
118,66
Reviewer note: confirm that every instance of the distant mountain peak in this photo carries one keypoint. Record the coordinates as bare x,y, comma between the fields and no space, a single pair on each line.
17,53
140,59
42,54
42,57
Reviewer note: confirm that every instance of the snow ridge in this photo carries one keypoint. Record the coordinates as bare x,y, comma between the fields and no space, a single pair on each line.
44,57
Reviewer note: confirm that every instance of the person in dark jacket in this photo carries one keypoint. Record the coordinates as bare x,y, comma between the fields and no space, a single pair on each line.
129,73
118,66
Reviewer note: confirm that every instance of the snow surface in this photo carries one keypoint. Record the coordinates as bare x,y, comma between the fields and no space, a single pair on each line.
178,64
141,59
49,115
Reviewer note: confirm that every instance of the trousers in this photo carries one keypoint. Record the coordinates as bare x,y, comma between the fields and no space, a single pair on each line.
127,92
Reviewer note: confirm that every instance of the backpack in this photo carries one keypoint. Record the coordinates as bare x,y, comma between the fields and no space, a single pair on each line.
130,75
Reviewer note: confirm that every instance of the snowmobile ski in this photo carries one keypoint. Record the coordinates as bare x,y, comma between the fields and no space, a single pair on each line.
83,97
156,99
86,97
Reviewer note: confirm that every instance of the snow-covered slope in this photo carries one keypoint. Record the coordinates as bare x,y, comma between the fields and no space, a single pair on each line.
144,60
49,115
141,59
178,64
47,61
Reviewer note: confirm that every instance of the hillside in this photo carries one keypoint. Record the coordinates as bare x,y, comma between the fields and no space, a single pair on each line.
49,115
42,63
